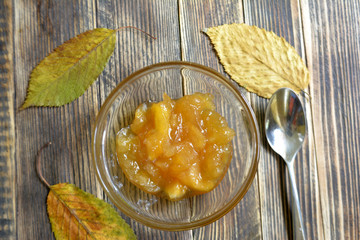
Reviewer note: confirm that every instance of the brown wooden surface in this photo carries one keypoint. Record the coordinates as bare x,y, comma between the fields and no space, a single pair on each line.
7,130
325,34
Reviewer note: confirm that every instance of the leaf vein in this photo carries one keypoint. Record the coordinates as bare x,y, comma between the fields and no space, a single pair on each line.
86,55
72,213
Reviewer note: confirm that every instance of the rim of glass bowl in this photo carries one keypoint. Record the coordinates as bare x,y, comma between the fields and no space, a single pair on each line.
169,226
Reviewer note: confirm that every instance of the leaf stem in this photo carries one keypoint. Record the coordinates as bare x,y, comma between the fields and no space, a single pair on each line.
38,164
136,29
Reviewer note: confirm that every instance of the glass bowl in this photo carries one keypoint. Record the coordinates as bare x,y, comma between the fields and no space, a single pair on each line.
176,79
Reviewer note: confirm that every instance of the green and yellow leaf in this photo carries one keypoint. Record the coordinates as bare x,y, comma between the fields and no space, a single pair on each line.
75,214
257,59
70,69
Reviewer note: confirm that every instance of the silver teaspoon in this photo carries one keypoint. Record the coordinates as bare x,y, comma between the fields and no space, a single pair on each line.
285,129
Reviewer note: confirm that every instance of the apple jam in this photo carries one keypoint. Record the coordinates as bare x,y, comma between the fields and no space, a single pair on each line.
176,148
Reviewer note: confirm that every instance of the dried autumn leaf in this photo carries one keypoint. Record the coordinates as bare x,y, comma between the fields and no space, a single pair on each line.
257,59
75,214
70,69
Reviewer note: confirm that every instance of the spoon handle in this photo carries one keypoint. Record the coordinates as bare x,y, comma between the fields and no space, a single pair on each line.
298,226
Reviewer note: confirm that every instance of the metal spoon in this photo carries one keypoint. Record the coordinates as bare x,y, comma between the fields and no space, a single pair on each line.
285,129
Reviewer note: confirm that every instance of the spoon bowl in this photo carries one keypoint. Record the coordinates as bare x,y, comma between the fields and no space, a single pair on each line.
285,129
285,123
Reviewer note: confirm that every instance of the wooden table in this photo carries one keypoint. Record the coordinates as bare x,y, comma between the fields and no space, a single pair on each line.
325,33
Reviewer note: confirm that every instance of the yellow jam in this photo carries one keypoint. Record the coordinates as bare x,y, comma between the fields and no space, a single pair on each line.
176,148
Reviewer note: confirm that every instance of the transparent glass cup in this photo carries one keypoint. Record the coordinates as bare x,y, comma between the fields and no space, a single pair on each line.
176,79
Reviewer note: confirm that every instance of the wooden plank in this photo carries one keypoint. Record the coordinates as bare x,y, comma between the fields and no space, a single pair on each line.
7,128
328,177
285,20
333,44
39,27
244,221
135,50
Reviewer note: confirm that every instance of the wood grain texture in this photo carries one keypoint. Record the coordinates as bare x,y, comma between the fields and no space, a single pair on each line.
335,49
39,27
284,18
325,33
7,128
196,47
134,50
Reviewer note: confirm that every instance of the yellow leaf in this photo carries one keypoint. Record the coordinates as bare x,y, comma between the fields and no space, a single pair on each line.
75,214
70,69
257,59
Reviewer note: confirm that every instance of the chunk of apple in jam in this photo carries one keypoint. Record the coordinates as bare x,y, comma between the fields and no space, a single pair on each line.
217,130
176,148
175,190
127,150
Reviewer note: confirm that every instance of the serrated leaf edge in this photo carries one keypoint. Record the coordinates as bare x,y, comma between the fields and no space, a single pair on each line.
264,32
25,105
72,213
